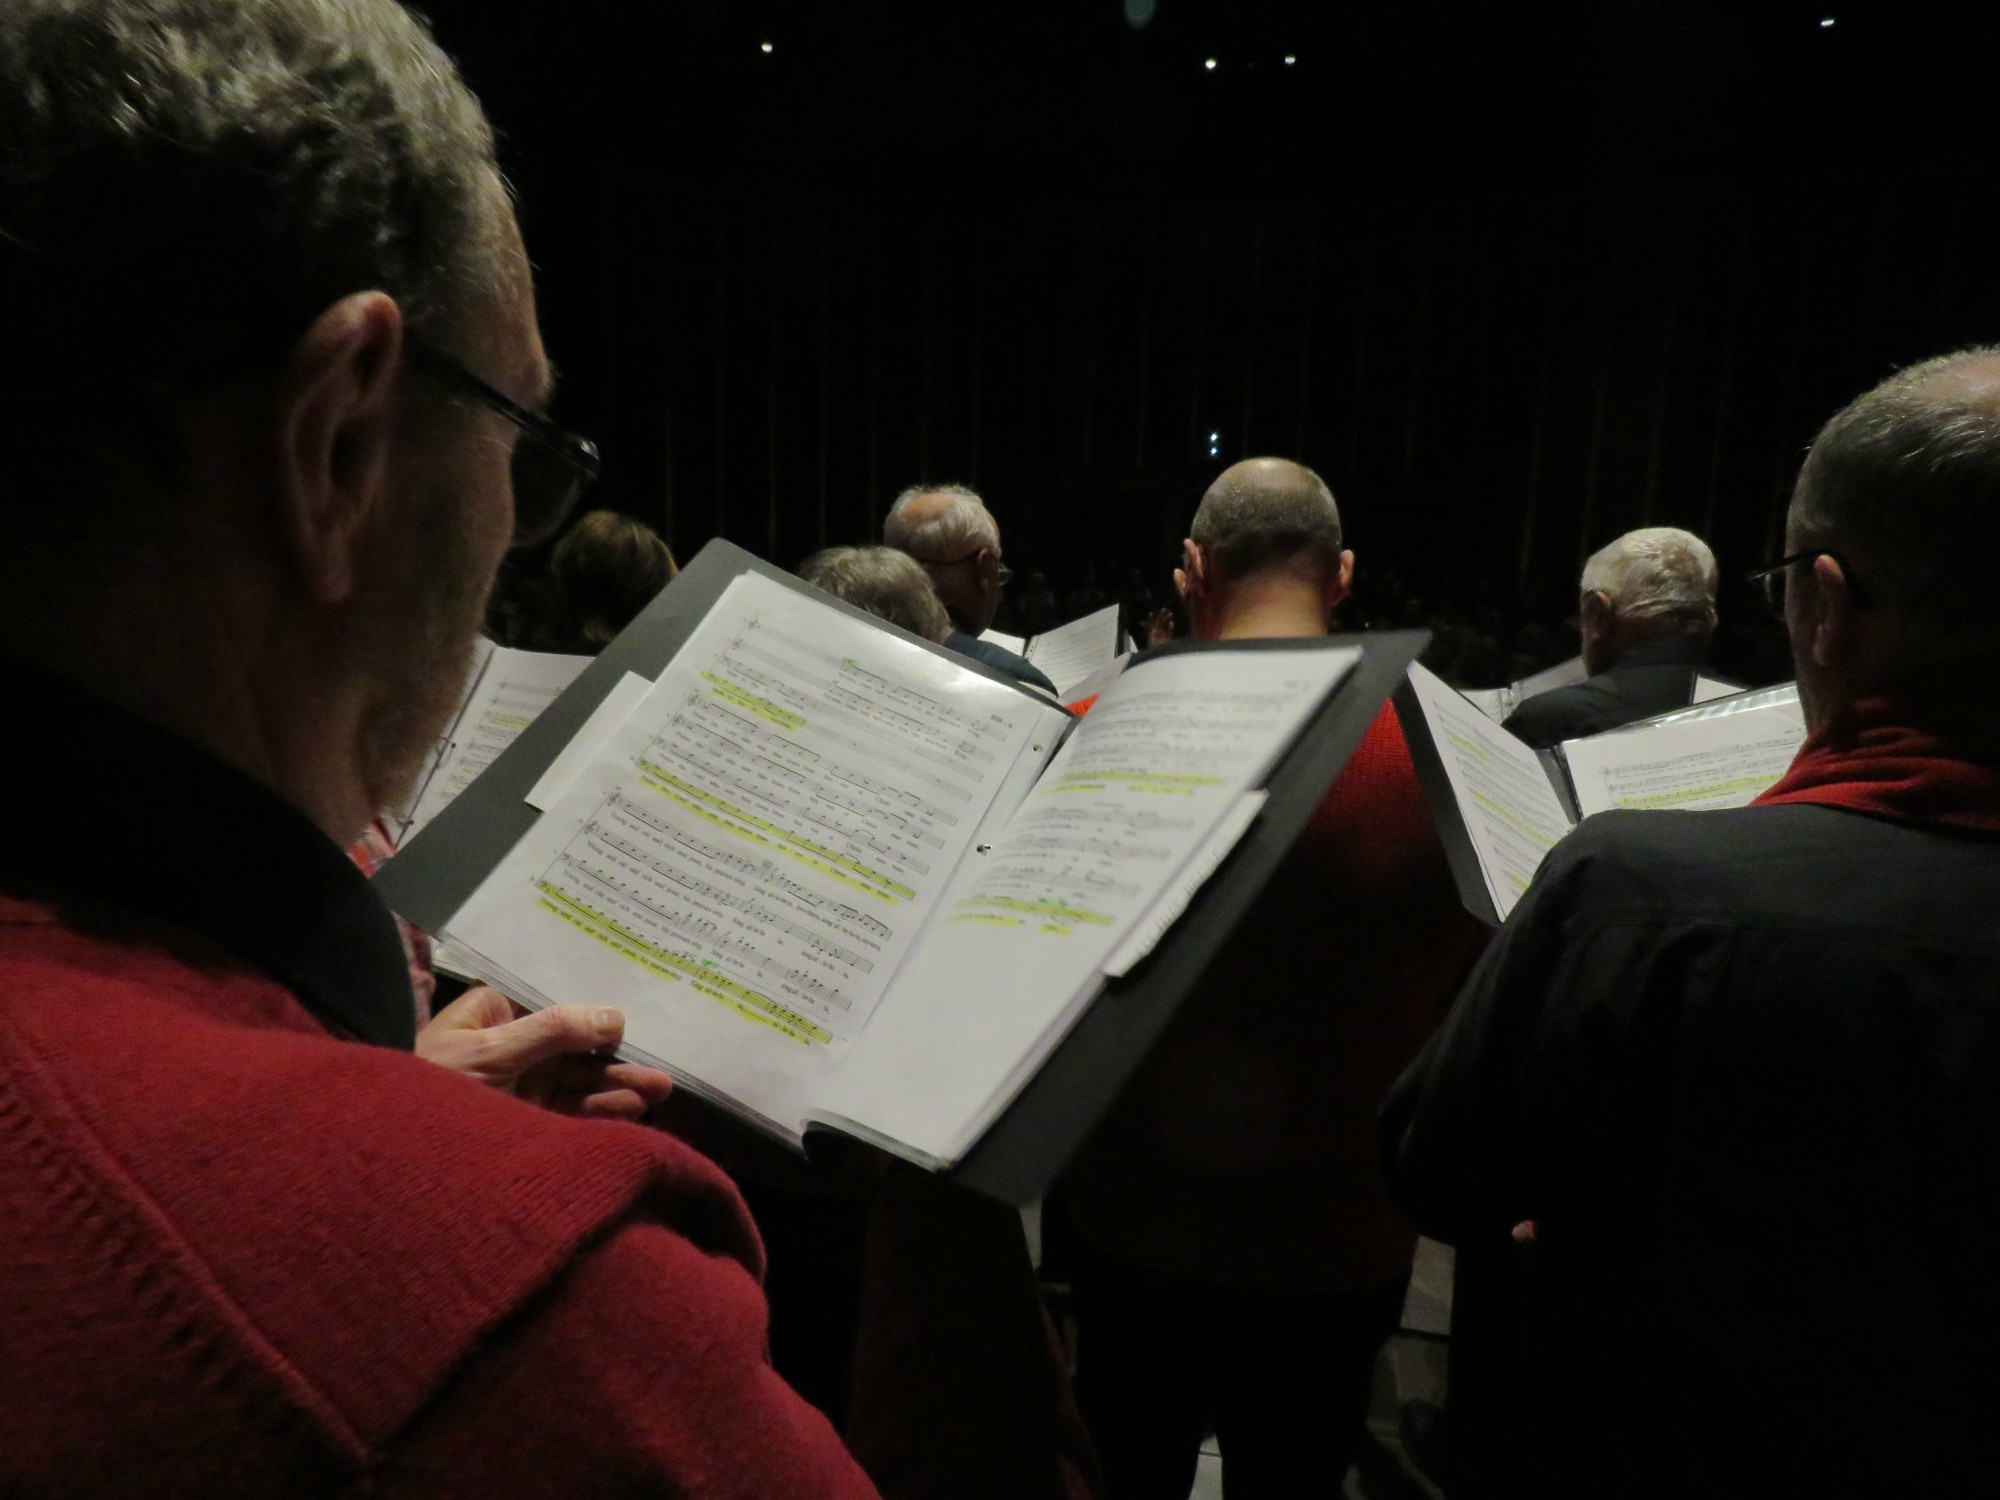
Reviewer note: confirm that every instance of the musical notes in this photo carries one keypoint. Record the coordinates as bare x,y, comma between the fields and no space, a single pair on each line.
776,812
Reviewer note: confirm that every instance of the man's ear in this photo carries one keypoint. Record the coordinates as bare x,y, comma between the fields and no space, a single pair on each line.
1339,583
1831,618
1595,613
334,430
1191,577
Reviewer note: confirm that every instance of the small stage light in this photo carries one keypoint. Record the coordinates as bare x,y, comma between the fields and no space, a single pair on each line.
1209,64
764,47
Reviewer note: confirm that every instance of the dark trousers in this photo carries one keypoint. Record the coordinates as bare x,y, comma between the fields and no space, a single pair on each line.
1281,1377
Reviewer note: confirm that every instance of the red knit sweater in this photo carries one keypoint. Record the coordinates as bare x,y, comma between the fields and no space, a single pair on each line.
240,1258
1243,1152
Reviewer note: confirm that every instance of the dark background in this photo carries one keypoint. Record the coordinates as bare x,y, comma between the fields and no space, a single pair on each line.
1513,278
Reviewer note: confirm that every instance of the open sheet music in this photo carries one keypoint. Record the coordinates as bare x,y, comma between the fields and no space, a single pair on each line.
1070,653
1502,806
833,877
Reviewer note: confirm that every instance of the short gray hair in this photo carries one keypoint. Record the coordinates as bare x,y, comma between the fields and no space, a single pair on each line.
1246,524
1656,573
1908,475
887,582
186,184
963,525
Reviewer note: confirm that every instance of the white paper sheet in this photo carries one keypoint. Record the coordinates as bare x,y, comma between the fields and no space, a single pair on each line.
1495,703
1511,813
511,694
744,866
1723,760
1137,791
1166,911
589,741
1708,689
1095,683
1070,653
1018,644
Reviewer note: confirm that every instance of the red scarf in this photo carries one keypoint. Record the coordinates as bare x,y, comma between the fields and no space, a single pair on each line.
1871,759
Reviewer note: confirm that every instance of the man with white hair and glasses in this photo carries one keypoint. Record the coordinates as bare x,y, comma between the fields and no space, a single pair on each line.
948,529
1646,614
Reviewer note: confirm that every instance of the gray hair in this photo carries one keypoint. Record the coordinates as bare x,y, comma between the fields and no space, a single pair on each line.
1908,476
1264,513
887,582
186,184
1656,573
963,525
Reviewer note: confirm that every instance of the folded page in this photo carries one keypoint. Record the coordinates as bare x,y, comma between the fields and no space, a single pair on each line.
1512,815
588,743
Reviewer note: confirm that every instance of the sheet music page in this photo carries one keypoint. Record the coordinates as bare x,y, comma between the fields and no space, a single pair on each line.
1495,703
1023,941
482,653
1070,653
745,865
1720,761
1512,814
1014,643
511,694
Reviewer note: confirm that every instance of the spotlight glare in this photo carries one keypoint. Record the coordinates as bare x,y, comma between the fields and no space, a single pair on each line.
1209,64
1827,22
1289,59
764,47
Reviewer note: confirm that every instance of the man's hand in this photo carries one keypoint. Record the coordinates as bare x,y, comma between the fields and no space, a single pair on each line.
559,1057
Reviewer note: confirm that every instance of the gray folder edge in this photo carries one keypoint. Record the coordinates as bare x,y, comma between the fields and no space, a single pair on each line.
1035,1135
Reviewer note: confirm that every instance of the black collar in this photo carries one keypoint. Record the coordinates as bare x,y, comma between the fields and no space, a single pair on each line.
1671,650
105,807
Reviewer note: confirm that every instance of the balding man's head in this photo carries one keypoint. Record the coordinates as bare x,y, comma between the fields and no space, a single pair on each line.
1263,557
1904,484
1266,513
948,529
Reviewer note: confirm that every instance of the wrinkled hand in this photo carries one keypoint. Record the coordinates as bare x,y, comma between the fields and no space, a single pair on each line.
1159,627
559,1058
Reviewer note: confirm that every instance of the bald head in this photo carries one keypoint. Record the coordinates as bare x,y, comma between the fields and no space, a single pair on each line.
1904,483
1267,513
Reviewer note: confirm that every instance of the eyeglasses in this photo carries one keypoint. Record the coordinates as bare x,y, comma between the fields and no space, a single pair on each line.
1003,575
1771,581
551,467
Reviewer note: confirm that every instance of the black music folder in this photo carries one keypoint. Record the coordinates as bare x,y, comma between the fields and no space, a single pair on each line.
841,879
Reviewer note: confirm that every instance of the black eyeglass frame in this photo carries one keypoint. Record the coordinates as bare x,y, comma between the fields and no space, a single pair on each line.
1768,579
1004,575
535,520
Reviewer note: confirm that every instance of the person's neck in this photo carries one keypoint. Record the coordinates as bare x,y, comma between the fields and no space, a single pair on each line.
1268,611
190,668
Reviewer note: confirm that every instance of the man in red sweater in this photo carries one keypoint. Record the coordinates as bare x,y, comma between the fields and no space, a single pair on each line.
1240,1261
273,392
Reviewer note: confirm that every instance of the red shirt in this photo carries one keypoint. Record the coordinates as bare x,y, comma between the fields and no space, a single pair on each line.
1243,1151
242,1258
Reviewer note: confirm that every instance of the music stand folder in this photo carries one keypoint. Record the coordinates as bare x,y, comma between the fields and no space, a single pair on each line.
1034,1137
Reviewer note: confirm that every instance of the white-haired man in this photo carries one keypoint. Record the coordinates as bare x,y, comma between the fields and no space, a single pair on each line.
1646,613
948,529
1741,1067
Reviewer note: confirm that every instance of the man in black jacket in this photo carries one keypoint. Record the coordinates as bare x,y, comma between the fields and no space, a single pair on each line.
1646,614
1742,1069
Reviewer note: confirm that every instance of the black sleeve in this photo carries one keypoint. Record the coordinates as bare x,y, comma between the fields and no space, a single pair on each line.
1453,1131
1539,723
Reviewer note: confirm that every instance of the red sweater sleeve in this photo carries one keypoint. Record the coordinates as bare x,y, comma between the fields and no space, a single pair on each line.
605,1385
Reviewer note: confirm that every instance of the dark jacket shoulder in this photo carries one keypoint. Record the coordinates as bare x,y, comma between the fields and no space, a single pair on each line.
1000,659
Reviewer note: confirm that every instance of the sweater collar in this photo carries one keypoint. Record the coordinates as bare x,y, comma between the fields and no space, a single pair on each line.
107,808
1673,650
1880,758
